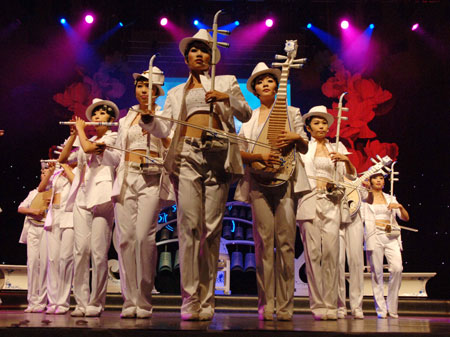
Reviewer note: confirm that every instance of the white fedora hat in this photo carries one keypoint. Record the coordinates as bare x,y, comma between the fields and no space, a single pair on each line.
319,111
98,101
261,69
157,79
203,36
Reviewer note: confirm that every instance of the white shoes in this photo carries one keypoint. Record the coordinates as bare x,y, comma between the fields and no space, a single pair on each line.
77,313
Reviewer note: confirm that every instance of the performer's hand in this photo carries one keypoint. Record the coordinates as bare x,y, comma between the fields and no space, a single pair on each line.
216,96
286,138
51,167
99,148
80,124
336,156
271,158
37,214
2,132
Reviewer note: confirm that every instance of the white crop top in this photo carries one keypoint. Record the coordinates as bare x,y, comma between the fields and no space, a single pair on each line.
195,101
137,140
59,184
324,167
381,212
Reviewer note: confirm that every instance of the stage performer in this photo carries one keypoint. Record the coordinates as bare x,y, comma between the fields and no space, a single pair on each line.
377,211
93,211
321,212
137,190
201,167
273,208
59,238
33,236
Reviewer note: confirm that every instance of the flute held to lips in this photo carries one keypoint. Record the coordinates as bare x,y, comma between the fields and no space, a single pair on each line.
92,123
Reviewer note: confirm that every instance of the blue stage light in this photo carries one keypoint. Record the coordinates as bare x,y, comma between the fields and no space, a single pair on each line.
371,26
236,23
309,26
196,22
120,24
63,21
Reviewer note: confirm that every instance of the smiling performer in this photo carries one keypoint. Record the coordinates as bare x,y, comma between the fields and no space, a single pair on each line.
201,168
273,207
321,212
137,195
382,234
93,212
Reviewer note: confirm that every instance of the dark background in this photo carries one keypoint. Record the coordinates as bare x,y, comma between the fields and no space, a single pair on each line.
36,63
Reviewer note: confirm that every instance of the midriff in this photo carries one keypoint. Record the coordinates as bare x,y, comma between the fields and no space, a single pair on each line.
382,223
57,199
135,157
200,119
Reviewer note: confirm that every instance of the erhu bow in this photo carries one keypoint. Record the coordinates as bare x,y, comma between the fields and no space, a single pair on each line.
338,128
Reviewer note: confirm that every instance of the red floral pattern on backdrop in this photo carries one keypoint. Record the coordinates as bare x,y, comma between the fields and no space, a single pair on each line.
363,97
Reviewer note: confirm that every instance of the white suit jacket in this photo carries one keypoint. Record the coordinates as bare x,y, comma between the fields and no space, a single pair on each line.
67,218
368,217
98,178
307,205
301,184
26,222
175,107
116,158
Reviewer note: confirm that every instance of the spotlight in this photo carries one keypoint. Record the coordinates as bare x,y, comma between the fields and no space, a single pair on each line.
414,26
63,21
196,22
309,26
89,19
371,26
163,22
121,24
344,24
269,22
236,23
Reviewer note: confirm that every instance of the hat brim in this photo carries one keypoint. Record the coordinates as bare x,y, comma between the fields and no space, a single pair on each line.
185,42
160,89
273,71
91,107
325,115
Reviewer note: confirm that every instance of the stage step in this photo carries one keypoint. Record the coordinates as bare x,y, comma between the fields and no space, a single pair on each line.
407,306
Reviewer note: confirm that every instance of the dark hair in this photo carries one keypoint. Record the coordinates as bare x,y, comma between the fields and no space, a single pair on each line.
109,110
199,45
263,76
309,119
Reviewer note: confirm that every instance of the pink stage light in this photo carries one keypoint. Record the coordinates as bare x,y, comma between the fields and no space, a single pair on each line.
344,24
269,22
163,22
89,19
415,26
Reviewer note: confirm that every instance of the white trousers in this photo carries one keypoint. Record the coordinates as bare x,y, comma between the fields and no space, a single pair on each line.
92,229
273,210
36,267
351,241
201,189
321,246
391,249
136,218
60,262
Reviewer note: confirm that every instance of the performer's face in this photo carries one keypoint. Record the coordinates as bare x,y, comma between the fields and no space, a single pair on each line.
101,116
198,60
377,182
265,86
142,92
318,127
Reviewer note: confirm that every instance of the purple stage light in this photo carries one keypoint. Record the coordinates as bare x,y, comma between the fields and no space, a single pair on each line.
415,26
89,19
344,24
269,22
163,22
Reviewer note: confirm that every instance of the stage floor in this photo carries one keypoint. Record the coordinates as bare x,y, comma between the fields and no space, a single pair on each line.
17,323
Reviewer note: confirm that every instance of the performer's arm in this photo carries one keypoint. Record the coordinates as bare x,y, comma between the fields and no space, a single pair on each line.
404,215
68,171
45,180
65,153
86,144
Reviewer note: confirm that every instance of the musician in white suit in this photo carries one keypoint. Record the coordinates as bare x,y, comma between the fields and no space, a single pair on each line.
201,168
59,236
378,211
138,188
93,211
33,236
321,212
273,208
